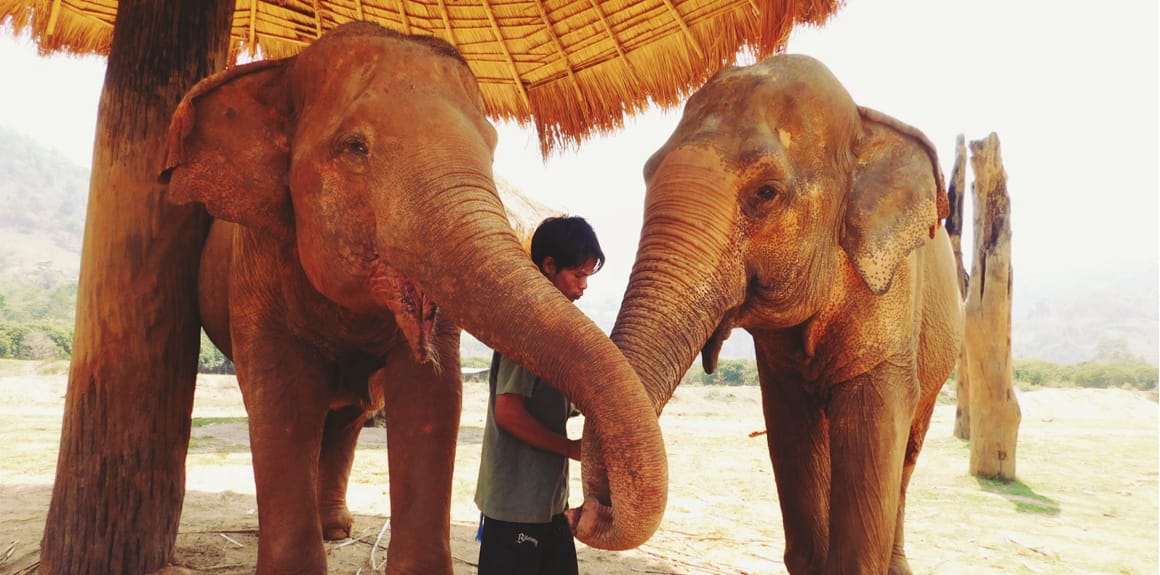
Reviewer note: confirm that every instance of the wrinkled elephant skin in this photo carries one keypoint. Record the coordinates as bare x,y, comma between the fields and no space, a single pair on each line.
357,229
781,207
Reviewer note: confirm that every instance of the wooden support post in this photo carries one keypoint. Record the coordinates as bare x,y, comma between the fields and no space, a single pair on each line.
995,414
120,476
954,225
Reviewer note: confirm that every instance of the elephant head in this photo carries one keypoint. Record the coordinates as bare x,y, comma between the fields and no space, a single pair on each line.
369,155
775,197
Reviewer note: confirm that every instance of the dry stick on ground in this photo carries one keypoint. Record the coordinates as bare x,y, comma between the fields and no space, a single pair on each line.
8,552
699,537
230,531
29,569
353,540
708,567
375,566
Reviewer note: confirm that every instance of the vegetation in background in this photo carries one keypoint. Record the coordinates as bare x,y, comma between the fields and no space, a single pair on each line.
37,309
212,360
36,313
476,362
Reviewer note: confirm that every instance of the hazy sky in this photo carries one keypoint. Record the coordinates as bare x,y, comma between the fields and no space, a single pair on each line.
1073,93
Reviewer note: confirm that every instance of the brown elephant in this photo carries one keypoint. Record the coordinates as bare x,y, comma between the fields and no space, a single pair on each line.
357,177
781,207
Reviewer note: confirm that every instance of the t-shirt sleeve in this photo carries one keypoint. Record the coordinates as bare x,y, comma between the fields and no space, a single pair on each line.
512,378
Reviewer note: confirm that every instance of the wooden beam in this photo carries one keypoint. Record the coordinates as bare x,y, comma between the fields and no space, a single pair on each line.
684,28
403,18
253,27
53,14
616,43
317,21
560,49
507,55
447,24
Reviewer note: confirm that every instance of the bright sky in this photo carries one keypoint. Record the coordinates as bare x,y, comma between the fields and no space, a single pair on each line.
1073,93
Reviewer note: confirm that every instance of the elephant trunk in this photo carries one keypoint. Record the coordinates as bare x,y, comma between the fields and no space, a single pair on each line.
685,277
679,290
489,286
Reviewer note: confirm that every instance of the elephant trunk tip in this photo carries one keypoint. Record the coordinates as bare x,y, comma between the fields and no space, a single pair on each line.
594,525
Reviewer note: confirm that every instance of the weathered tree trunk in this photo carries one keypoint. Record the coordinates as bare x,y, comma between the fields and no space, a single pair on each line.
120,476
954,225
995,414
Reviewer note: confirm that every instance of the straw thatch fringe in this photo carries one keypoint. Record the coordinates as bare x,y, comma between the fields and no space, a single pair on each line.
572,68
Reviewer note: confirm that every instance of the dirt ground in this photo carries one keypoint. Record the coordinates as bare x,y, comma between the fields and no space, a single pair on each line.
1085,502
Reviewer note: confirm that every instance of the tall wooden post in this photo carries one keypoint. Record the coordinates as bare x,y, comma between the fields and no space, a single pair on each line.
954,225
120,477
995,414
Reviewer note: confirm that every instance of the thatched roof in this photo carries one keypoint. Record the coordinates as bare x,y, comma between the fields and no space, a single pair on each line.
573,67
524,213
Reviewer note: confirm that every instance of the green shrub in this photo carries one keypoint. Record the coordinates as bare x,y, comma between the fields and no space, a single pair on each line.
211,359
35,340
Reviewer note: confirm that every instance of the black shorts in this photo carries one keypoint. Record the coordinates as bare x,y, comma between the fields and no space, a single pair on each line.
527,548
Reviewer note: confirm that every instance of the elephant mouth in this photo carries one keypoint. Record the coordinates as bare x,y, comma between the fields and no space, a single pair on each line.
414,312
712,347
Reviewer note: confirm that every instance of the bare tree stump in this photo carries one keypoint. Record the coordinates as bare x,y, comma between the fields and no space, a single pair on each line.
120,475
994,409
954,226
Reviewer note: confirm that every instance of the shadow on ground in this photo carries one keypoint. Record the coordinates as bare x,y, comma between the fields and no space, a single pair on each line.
1025,499
219,535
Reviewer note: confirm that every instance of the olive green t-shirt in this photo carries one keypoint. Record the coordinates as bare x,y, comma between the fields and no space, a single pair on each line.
519,483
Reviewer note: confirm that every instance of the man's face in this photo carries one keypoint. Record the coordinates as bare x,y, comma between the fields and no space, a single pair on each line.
570,281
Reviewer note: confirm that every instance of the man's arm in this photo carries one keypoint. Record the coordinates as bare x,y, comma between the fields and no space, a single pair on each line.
512,416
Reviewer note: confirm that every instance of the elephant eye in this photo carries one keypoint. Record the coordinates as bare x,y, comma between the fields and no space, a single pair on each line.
762,199
356,144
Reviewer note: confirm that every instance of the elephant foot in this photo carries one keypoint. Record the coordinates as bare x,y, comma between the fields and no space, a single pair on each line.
899,565
337,522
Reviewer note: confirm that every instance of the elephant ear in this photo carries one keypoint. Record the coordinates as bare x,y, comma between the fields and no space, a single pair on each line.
896,201
228,147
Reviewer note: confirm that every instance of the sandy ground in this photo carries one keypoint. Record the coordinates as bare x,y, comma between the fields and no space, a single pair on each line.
1085,502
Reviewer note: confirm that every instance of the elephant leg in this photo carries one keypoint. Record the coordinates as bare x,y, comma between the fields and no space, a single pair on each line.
423,407
870,421
339,439
286,401
799,451
898,563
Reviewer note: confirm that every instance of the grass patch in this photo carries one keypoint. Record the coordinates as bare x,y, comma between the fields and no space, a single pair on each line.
1025,498
207,421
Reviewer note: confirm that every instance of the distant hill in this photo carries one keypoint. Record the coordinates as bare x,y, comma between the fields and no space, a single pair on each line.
1068,325
42,217
43,194
42,210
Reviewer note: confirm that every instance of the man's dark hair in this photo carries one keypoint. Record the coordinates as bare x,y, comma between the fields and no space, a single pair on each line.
569,240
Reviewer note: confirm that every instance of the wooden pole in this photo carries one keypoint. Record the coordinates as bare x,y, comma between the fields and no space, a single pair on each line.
954,225
995,414
120,477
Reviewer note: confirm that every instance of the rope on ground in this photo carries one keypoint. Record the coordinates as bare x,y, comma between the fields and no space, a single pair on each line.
375,566
353,540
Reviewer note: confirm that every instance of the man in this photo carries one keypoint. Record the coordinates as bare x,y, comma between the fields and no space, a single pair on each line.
522,490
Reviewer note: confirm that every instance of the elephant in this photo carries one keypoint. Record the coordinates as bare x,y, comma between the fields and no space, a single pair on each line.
356,229
779,206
